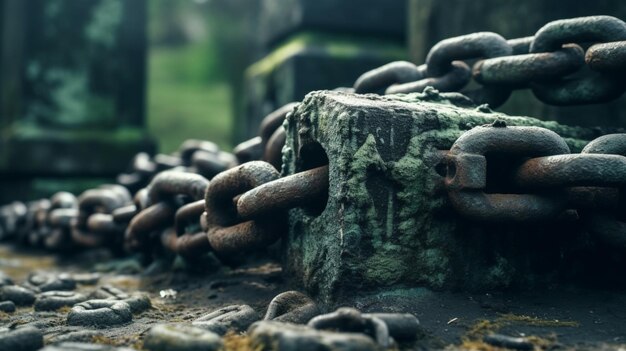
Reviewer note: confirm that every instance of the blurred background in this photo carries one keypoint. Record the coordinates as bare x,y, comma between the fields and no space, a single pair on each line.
86,84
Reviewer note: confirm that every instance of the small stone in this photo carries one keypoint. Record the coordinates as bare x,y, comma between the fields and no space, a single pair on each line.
293,337
172,337
291,307
235,317
508,342
49,282
7,306
5,279
21,339
77,336
79,346
138,302
19,295
53,300
100,313
86,278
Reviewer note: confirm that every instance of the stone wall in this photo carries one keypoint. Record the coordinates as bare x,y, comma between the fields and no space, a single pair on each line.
72,93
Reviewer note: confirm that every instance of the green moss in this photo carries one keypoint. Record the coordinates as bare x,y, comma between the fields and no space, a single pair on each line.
336,45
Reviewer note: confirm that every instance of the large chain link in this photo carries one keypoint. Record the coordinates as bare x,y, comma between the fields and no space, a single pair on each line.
540,178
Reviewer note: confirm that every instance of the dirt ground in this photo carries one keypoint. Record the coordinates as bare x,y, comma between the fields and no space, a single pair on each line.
558,318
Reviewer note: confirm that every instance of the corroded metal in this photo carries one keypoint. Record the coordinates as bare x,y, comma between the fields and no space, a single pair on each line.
456,78
170,183
273,153
298,190
607,57
249,150
379,79
466,178
227,234
522,69
155,217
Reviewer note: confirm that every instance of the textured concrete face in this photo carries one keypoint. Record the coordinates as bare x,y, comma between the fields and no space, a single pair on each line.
387,223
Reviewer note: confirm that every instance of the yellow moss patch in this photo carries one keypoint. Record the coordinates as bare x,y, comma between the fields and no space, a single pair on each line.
483,327
103,340
238,342
64,309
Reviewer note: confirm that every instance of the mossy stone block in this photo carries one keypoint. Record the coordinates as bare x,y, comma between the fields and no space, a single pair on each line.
387,222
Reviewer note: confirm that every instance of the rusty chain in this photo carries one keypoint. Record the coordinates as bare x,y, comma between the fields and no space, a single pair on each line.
540,178
203,200
552,63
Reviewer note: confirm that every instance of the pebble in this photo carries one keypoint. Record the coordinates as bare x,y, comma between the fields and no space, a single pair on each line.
291,307
100,313
7,306
293,337
86,278
18,294
49,282
401,326
138,302
5,279
79,346
21,339
235,317
509,342
351,320
53,300
175,337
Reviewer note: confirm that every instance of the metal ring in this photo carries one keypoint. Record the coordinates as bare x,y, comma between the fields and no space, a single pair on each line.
226,233
379,79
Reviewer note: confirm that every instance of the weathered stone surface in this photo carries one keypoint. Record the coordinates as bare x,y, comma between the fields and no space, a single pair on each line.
21,339
172,337
62,104
387,221
279,18
270,335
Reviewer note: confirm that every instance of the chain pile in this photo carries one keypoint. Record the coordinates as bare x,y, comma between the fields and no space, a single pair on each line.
198,200
202,199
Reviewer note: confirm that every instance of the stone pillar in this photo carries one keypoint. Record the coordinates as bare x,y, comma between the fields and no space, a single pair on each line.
72,91
311,45
433,20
